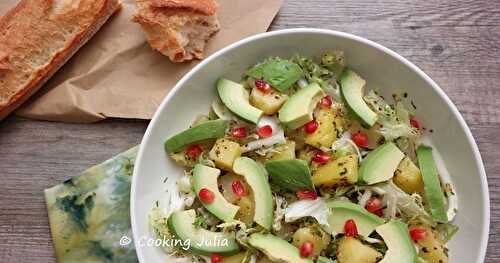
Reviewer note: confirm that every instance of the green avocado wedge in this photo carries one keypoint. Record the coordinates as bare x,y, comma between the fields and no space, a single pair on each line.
351,88
400,246
290,175
181,224
281,74
257,178
298,109
236,98
208,130
432,186
380,164
277,249
206,177
345,210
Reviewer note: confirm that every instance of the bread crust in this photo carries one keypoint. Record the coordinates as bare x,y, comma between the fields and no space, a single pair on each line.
178,29
205,7
85,29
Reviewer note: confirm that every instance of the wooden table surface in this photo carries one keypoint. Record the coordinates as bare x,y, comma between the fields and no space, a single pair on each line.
456,42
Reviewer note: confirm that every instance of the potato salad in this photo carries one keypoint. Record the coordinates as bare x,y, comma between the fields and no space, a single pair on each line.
299,162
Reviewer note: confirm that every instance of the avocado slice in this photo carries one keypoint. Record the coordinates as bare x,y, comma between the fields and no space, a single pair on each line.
345,210
256,177
277,249
351,88
181,224
398,241
204,131
290,175
325,260
280,73
432,186
206,177
236,98
380,164
298,109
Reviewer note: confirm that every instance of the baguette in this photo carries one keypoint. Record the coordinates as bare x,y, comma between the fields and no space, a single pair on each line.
38,36
179,29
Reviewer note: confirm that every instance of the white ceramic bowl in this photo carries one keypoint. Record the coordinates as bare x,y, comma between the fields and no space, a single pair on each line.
381,67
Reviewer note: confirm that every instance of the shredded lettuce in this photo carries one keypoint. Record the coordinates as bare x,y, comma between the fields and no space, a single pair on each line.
308,208
397,199
277,137
279,213
345,145
395,122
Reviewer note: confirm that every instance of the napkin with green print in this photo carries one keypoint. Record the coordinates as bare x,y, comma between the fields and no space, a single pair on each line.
89,213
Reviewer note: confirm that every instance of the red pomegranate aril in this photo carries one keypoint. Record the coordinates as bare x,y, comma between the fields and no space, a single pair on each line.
239,133
373,205
321,158
265,131
306,249
262,85
350,228
238,188
311,127
206,196
415,123
326,102
193,151
216,258
360,139
379,213
307,195
418,234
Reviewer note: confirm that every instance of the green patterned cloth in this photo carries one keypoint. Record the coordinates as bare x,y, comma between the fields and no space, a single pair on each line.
89,213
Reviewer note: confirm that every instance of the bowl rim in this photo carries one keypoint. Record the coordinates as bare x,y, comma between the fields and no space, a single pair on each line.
470,139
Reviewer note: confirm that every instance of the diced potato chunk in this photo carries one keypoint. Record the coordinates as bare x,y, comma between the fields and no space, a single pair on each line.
285,151
269,102
341,171
408,177
316,236
431,247
224,153
247,209
326,133
351,250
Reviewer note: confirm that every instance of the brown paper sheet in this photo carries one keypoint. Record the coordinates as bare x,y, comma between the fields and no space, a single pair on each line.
116,74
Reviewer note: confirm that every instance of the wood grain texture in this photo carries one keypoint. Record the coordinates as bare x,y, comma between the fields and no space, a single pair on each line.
457,43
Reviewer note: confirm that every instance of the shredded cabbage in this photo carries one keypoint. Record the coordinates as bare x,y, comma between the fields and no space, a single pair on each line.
396,198
305,208
346,145
277,137
221,111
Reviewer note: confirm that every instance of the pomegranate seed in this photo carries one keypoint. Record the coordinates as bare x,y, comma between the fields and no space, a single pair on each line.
326,102
193,151
418,234
321,158
306,249
415,123
262,85
350,228
360,139
216,258
240,132
311,126
373,205
379,213
206,196
238,188
307,195
265,131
